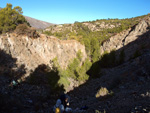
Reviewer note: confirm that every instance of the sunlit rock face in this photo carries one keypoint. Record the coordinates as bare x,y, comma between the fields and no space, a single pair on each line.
42,50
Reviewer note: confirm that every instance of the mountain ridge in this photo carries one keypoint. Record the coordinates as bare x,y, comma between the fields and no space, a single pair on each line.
38,24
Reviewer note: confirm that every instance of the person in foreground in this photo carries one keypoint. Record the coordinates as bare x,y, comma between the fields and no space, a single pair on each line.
58,107
62,105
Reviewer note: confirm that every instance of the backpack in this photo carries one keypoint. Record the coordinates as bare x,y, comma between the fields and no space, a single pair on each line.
57,110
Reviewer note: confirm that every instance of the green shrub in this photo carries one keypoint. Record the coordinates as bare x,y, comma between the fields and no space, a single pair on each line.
10,18
95,49
48,33
74,70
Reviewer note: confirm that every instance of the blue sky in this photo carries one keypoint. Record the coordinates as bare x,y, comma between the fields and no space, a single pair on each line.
69,11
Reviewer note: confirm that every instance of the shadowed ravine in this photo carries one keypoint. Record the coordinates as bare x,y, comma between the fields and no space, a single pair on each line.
126,75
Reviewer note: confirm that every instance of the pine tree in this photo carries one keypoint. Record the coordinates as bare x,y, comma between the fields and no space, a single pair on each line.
10,18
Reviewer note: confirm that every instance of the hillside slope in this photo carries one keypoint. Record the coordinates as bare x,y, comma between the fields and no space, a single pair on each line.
38,24
129,82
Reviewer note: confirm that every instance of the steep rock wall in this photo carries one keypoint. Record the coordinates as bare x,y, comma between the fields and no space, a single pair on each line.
33,52
125,38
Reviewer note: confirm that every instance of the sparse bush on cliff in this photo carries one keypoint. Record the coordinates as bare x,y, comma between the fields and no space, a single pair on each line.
103,92
23,29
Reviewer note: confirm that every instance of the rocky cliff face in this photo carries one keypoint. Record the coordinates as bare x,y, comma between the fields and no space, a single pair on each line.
33,52
123,39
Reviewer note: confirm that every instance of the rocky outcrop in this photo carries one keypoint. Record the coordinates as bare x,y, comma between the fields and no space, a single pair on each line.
60,28
33,52
98,26
123,39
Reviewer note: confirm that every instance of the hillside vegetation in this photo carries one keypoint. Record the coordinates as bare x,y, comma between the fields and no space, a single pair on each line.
92,34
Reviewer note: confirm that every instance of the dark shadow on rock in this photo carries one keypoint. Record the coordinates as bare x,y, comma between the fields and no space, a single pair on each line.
132,53
43,75
46,78
10,104
8,66
9,71
39,90
117,57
